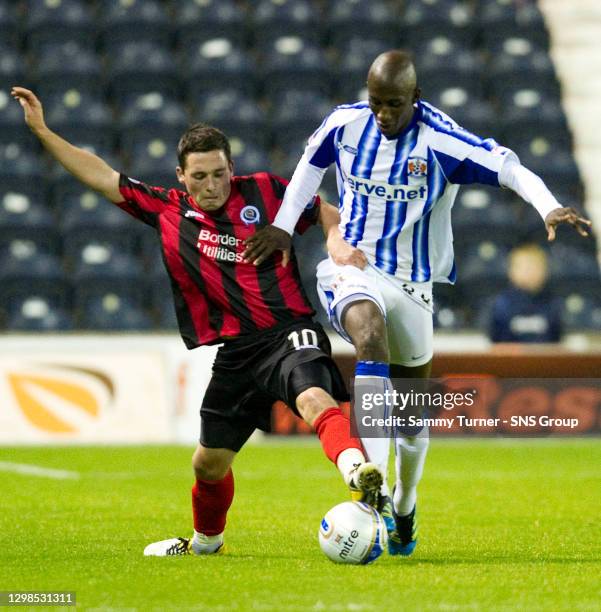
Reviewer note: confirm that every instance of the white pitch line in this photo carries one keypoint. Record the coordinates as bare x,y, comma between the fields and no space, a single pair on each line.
36,470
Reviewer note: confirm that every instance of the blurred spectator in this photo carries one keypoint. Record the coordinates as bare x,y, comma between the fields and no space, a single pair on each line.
527,311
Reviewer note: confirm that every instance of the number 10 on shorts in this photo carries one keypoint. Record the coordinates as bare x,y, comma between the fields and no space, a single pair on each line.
307,338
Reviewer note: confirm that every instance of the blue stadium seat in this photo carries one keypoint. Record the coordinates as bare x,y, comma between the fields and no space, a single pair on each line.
248,157
18,166
53,22
274,18
112,311
8,22
517,63
572,267
374,19
470,111
154,157
87,216
101,267
484,211
67,65
500,20
442,63
291,60
123,21
218,64
24,218
196,22
296,115
581,312
529,109
35,313
140,66
548,161
12,67
449,314
483,264
151,113
80,117
237,116
28,270
433,18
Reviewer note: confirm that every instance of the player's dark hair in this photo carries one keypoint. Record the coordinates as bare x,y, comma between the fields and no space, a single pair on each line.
201,138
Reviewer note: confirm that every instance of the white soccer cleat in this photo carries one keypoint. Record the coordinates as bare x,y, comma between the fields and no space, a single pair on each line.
168,548
365,480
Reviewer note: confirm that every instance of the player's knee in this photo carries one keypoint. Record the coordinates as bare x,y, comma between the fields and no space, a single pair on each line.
312,402
210,464
370,342
366,326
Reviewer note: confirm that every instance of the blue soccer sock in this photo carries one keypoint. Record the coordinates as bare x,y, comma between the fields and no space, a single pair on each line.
374,377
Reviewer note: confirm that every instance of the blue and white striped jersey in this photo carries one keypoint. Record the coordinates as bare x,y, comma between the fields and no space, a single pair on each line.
396,195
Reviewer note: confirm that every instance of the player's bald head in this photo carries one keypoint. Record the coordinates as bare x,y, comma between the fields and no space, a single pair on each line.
392,91
393,69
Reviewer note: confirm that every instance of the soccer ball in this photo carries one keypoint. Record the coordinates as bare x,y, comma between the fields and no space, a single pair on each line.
352,532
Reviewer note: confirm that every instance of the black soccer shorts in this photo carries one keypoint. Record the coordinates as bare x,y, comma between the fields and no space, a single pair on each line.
251,373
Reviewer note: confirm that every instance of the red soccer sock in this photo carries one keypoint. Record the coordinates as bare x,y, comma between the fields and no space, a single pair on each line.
211,499
333,428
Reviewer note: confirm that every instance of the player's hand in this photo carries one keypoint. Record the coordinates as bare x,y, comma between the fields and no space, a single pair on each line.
345,254
566,215
32,108
263,243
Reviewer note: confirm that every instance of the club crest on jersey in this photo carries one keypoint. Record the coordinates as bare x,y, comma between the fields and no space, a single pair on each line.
250,214
417,166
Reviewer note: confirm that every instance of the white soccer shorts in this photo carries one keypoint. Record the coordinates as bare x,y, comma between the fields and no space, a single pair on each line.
406,306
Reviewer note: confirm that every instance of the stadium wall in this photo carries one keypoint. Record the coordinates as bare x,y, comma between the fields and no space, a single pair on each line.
129,389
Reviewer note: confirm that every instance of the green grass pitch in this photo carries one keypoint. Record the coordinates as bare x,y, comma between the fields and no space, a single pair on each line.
504,525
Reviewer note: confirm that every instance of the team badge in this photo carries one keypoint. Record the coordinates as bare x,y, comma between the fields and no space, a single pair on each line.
417,166
250,214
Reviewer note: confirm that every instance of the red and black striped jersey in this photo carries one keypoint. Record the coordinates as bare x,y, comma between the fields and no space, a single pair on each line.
217,295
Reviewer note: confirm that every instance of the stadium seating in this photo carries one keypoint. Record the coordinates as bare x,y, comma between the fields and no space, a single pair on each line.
153,113
34,313
65,66
197,22
133,20
423,19
275,18
139,65
239,116
126,77
51,23
290,60
8,23
374,19
214,65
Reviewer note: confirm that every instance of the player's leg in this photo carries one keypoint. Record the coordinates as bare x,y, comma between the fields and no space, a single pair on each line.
364,323
212,496
356,310
312,386
411,344
224,428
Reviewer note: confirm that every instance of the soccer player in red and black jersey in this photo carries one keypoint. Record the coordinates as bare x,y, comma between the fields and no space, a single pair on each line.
271,348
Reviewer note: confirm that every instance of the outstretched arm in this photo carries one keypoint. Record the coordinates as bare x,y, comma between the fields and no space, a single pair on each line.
531,188
83,165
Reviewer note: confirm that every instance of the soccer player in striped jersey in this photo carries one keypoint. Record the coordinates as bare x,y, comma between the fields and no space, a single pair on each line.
399,164
271,348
